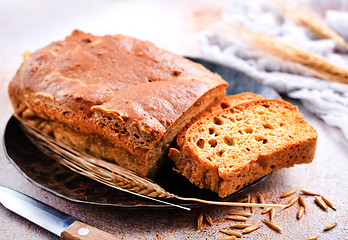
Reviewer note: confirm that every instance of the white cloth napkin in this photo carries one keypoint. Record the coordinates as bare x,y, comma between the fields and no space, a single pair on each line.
328,100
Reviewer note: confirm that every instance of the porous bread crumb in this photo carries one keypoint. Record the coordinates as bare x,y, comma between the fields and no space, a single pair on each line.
232,148
226,102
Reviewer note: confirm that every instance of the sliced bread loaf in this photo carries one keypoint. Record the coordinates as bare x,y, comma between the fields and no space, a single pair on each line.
226,102
114,97
234,147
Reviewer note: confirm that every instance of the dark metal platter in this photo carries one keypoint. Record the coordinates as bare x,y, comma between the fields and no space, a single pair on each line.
50,175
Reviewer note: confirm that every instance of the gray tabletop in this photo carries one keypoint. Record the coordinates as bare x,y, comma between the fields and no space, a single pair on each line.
326,174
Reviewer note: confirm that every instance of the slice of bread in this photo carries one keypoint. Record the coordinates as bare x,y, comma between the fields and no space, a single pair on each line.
226,102
234,147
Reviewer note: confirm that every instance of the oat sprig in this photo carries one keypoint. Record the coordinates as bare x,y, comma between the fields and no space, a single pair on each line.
113,175
307,18
261,45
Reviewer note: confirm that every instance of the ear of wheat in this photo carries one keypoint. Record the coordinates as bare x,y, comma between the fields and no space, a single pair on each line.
111,174
310,20
261,44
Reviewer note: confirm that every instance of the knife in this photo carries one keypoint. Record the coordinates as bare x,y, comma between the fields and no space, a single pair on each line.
57,222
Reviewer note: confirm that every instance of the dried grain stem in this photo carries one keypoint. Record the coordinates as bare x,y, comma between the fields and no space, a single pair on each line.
291,56
113,175
231,204
307,18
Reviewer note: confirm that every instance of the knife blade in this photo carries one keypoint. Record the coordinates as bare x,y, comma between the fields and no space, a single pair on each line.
49,218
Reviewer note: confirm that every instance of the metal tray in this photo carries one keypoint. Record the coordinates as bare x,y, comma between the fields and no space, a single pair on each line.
48,174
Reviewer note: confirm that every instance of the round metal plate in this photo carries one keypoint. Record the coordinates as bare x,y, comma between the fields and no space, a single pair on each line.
48,174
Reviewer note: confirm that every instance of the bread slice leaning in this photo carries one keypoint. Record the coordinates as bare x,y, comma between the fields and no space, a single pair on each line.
226,102
234,147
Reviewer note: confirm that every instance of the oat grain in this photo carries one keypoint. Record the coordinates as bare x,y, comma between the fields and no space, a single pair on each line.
330,226
251,229
288,193
272,225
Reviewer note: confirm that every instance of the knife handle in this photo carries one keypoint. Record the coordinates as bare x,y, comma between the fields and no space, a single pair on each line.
82,231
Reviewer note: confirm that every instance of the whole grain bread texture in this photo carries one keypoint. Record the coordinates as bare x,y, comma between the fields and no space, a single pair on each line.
226,102
231,148
113,97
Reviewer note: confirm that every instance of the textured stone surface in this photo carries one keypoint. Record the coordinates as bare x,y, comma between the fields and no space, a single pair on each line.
326,175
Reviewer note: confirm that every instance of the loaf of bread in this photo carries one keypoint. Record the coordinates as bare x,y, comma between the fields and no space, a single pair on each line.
113,97
225,102
234,147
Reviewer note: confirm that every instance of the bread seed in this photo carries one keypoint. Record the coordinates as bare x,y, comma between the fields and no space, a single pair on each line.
330,226
231,232
252,201
302,201
199,220
328,203
312,238
227,238
320,203
272,213
288,193
305,192
240,213
241,225
266,210
249,199
261,199
272,225
251,229
208,219
237,218
300,212
291,202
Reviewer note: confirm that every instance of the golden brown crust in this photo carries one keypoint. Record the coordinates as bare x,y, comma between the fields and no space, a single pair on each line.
127,92
226,102
232,148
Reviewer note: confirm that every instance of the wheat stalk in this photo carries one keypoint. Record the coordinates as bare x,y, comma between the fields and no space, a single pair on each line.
111,174
310,20
259,44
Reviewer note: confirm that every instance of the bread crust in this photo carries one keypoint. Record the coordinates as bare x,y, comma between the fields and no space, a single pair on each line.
253,139
126,93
